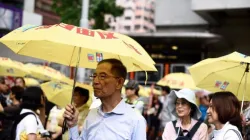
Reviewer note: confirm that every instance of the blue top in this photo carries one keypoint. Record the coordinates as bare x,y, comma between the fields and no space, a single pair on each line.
122,123
203,110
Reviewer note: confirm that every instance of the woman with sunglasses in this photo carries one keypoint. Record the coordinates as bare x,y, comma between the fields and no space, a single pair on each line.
132,95
182,104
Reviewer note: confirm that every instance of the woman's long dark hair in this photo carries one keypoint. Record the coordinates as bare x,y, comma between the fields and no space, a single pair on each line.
227,107
32,98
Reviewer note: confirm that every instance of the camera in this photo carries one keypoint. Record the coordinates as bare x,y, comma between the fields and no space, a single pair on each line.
45,134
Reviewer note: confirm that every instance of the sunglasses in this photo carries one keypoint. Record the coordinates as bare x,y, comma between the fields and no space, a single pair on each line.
129,88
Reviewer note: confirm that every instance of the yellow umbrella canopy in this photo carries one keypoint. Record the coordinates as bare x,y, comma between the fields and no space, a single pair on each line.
177,81
135,47
31,82
66,44
147,91
226,73
60,93
10,67
44,72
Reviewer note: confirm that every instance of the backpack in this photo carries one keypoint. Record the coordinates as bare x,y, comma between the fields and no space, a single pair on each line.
238,134
16,122
189,135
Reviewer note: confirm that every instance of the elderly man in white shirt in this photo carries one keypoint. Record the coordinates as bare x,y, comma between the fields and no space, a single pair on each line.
114,119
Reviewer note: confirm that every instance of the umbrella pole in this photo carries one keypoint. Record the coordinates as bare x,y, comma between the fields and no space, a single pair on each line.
76,69
245,87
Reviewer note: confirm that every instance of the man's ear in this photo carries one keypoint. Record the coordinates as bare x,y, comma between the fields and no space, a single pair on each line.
120,83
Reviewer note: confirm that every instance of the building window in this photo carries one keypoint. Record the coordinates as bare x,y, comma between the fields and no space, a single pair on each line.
137,17
109,20
113,28
152,10
129,8
151,20
145,18
145,27
127,18
137,27
127,28
138,8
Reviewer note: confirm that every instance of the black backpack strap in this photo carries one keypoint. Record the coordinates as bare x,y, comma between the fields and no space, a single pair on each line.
17,121
238,134
194,129
174,124
177,128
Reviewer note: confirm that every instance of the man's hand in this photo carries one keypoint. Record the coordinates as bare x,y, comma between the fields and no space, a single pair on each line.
71,115
248,123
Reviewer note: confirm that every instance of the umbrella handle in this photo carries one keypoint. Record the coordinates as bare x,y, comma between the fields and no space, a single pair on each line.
245,87
64,127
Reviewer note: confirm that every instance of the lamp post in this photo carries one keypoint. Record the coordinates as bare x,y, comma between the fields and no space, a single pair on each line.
84,22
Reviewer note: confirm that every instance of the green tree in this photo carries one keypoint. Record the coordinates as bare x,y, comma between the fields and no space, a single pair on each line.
70,11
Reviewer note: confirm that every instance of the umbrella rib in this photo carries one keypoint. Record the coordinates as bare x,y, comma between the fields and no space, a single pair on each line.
119,58
220,70
240,82
24,47
72,56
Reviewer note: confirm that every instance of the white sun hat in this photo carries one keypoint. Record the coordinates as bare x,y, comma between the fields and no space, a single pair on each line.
187,94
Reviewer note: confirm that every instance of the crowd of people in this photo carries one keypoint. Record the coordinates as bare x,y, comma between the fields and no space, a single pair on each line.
26,114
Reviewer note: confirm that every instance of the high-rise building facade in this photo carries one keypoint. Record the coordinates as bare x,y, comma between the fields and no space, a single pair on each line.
138,17
44,8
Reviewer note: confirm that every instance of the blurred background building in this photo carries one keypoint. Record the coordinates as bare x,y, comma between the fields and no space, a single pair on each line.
43,7
138,17
15,13
188,31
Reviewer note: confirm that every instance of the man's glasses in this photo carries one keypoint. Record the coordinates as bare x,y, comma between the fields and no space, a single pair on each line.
129,88
101,76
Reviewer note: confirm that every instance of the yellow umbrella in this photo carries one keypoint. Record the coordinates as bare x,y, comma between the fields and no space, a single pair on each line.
66,44
10,67
147,91
31,82
60,93
143,92
44,72
75,46
177,81
226,73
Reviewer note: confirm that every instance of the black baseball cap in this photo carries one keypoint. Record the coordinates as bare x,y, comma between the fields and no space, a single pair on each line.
132,84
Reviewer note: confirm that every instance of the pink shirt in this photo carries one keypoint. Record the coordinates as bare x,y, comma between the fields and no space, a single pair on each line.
170,133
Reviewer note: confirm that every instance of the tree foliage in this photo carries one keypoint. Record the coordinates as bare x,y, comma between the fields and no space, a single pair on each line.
70,11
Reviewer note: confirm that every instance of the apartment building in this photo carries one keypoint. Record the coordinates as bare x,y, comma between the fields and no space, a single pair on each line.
138,17
44,8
